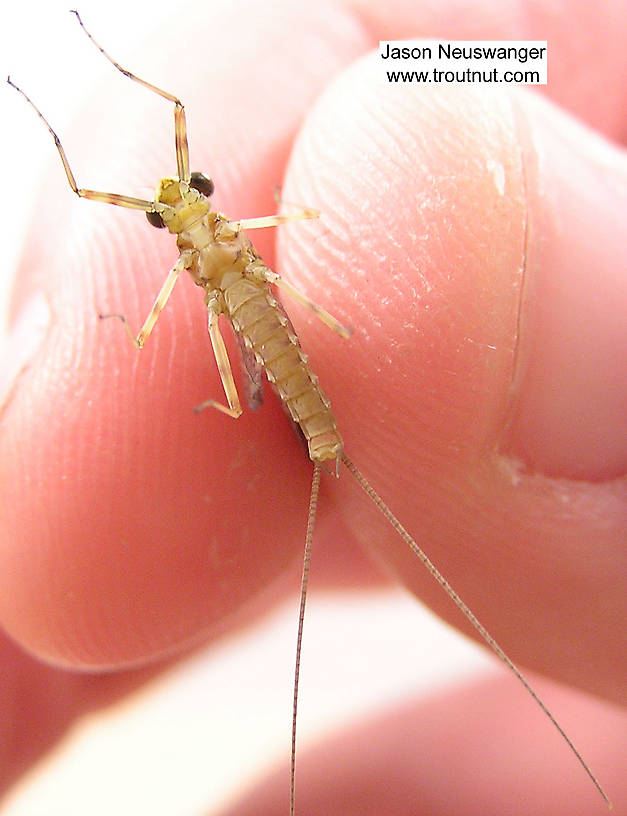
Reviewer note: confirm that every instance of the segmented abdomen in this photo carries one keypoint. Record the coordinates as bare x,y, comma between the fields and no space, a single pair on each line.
256,314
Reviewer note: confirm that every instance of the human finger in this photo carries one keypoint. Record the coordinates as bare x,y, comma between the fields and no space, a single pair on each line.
471,749
462,231
131,527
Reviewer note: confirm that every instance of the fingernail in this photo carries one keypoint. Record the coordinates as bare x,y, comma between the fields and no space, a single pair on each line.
569,412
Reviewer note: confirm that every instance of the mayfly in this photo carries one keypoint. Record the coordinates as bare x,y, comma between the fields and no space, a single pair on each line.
238,285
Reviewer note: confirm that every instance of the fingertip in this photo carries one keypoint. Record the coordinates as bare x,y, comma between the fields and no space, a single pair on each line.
590,88
568,409
424,247
131,527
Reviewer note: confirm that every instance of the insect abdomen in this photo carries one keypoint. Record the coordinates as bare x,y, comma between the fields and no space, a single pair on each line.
259,318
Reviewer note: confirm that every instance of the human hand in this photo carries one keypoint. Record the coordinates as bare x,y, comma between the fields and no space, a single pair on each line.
434,442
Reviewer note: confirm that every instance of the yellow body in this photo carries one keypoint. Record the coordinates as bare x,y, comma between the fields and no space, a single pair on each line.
225,263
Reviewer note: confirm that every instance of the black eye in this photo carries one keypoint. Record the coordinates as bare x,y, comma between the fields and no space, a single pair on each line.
155,219
201,183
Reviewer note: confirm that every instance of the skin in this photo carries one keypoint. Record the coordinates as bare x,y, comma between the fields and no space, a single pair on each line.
516,486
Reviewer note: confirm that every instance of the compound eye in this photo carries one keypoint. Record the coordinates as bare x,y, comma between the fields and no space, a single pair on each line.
201,183
155,219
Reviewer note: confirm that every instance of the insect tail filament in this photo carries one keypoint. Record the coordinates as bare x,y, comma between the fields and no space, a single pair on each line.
311,519
480,628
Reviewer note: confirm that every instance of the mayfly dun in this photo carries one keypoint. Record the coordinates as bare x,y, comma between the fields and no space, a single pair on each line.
237,285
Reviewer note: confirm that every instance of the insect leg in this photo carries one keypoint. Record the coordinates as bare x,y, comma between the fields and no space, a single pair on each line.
234,408
162,298
322,314
275,220
272,277
94,195
180,126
